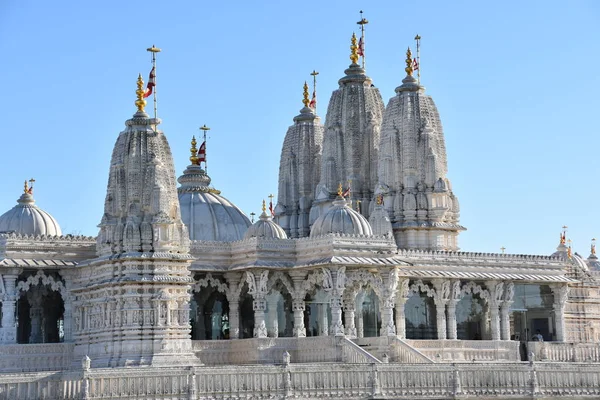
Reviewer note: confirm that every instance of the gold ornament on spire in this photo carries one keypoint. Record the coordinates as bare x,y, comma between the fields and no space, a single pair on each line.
140,102
409,62
569,251
264,207
563,235
354,50
305,100
194,151
26,187
340,190
593,250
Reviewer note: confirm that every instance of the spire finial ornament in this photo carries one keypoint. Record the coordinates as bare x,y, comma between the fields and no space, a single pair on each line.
593,247
305,100
569,251
353,49
340,190
409,62
264,207
140,102
194,151
25,187
563,235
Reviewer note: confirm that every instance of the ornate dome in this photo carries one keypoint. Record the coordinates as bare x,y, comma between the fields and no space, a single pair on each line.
28,219
341,219
265,228
207,214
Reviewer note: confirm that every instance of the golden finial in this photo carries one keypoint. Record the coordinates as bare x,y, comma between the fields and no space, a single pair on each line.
194,151
569,251
26,187
409,62
340,190
379,199
264,207
305,100
563,235
140,102
354,50
593,250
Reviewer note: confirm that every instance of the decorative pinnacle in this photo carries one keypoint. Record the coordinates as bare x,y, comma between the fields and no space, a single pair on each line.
194,151
593,249
563,235
569,251
305,100
264,206
379,199
140,102
153,49
409,62
340,190
25,187
354,50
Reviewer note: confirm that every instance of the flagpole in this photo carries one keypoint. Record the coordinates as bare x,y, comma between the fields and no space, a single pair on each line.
204,129
362,24
314,75
418,39
154,50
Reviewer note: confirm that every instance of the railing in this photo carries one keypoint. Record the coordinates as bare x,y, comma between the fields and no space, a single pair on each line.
354,354
468,350
404,353
35,357
558,351
332,381
266,350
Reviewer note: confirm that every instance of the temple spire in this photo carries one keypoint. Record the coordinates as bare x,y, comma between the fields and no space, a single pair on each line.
140,102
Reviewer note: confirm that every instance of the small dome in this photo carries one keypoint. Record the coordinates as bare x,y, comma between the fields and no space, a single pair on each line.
265,228
207,214
341,219
28,219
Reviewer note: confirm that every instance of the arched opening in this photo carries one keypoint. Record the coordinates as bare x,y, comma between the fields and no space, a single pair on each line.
317,313
369,312
470,318
420,317
40,316
280,318
209,315
246,315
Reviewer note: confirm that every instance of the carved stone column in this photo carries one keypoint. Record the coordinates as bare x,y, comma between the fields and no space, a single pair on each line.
452,333
323,323
9,327
338,282
561,294
505,320
386,302
298,305
455,296
68,303
401,298
358,315
349,314
496,290
442,294
36,313
233,281
273,321
260,327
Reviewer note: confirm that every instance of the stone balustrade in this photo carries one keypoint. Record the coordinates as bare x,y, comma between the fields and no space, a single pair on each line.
35,357
335,381
468,350
557,351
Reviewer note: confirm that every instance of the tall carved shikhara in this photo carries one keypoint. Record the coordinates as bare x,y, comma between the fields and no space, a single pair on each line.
396,153
132,301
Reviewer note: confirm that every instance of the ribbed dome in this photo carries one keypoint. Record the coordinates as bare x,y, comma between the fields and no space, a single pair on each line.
265,228
341,219
28,219
208,215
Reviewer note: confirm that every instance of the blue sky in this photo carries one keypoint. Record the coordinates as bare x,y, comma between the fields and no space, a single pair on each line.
516,84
